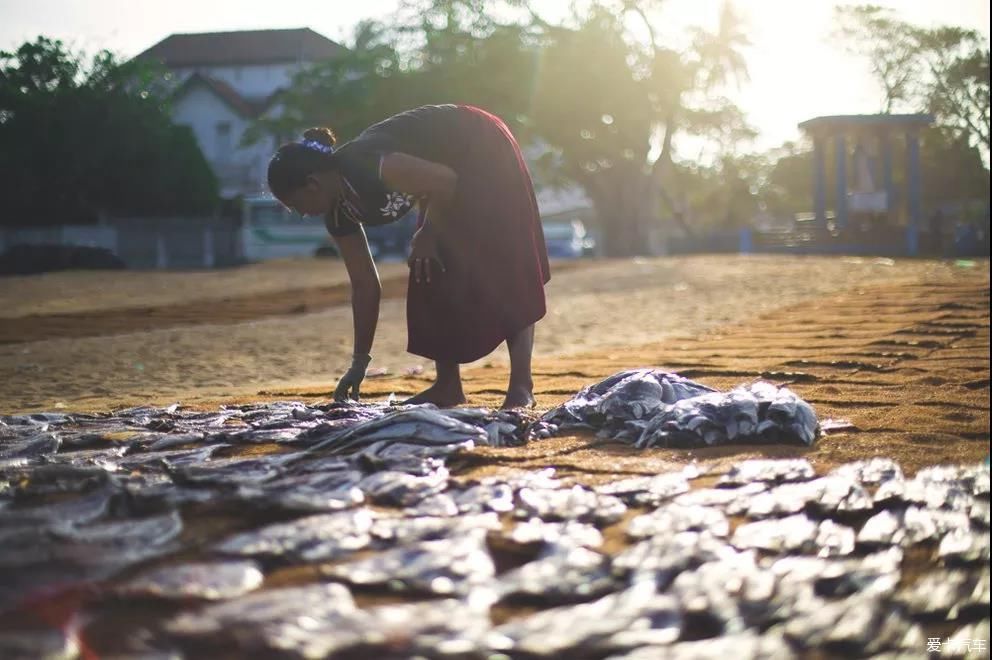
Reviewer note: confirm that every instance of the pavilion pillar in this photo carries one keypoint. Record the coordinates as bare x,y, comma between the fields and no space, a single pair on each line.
819,181
885,145
840,204
914,207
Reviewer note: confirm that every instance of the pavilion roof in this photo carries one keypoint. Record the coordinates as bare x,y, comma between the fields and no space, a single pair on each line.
855,122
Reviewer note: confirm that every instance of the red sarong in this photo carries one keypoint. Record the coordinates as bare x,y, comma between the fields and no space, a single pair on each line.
491,243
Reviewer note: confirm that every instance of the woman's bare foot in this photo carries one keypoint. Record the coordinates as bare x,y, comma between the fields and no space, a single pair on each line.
442,396
519,397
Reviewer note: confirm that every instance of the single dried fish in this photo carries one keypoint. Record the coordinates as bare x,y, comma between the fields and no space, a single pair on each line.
768,470
564,573
451,566
796,534
675,518
313,538
575,503
204,581
634,617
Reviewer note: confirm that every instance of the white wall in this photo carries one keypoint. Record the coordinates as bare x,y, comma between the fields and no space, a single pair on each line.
202,110
241,170
81,235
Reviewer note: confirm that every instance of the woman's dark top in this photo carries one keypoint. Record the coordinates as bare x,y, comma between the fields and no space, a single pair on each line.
367,200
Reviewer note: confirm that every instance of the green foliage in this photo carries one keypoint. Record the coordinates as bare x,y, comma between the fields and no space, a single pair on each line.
375,79
788,186
348,93
724,195
957,64
601,97
941,70
83,139
952,171
611,102
590,92
589,104
888,44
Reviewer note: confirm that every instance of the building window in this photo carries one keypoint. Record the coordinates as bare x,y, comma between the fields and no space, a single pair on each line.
223,141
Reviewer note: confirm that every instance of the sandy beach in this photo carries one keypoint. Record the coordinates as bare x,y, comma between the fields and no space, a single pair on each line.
95,340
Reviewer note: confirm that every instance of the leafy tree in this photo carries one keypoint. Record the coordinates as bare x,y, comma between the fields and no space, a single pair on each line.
942,70
84,138
602,101
611,104
787,187
888,45
375,78
951,170
722,196
356,88
956,63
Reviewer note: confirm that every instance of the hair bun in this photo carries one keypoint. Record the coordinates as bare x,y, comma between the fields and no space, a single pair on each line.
321,134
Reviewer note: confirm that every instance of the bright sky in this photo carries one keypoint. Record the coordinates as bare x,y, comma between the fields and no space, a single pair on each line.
795,72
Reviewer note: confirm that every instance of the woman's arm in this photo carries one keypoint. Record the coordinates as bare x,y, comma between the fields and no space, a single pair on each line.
366,288
417,176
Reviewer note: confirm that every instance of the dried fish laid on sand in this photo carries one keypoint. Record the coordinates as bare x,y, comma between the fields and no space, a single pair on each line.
628,395
202,581
655,408
287,620
636,616
319,537
419,425
563,573
773,557
449,566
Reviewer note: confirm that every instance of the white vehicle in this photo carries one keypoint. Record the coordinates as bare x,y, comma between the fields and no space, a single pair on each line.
271,231
567,239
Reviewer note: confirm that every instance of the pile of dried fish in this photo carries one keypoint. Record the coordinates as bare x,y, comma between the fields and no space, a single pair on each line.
260,530
653,408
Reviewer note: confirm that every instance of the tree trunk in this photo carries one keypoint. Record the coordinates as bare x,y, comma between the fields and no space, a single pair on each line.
660,171
626,205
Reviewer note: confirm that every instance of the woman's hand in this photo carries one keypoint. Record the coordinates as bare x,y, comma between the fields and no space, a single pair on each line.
423,250
348,386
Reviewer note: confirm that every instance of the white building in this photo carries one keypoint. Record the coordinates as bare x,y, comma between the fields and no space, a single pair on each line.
224,81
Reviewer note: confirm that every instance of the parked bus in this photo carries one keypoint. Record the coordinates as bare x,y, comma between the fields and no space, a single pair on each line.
271,231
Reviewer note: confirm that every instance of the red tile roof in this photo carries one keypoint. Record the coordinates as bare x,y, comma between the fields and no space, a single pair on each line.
242,47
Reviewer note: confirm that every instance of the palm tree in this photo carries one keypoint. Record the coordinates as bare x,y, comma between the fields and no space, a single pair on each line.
719,53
